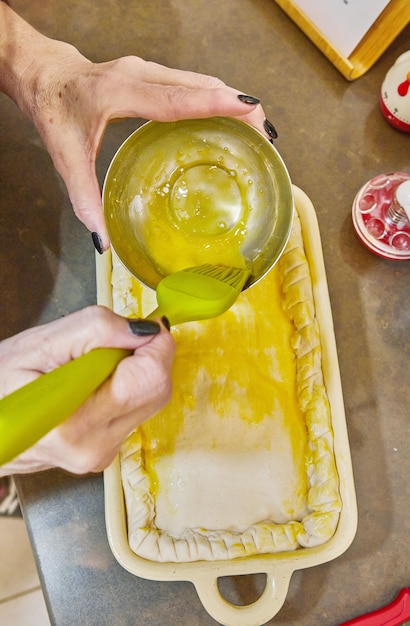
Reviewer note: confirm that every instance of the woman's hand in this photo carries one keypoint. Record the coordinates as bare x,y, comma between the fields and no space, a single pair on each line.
139,387
71,100
77,100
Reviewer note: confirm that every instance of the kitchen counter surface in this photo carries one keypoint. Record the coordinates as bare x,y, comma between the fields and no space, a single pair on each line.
333,138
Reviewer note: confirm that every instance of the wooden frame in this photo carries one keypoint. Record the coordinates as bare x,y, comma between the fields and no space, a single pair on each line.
393,19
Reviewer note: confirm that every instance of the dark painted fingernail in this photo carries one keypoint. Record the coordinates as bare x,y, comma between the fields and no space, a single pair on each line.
144,327
166,323
97,242
270,129
248,99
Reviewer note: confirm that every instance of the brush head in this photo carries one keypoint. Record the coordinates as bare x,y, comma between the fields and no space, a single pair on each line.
199,293
235,277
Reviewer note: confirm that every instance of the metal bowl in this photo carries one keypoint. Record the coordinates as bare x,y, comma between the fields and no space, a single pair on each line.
184,193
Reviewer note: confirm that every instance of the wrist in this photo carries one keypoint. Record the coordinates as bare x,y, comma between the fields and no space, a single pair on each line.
19,43
31,63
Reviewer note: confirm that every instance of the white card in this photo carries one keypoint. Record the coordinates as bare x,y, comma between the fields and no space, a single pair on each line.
343,22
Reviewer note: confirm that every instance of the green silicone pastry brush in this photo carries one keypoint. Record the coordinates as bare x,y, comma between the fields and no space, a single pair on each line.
29,413
198,293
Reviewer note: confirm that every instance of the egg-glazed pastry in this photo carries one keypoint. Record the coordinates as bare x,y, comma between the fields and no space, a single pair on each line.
240,462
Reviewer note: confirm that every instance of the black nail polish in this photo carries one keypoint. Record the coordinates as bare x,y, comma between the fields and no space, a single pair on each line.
143,328
166,323
248,99
97,242
270,129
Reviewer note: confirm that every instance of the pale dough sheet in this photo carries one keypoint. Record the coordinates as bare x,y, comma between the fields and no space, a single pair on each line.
241,461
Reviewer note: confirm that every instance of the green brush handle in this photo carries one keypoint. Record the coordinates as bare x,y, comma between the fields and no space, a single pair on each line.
29,413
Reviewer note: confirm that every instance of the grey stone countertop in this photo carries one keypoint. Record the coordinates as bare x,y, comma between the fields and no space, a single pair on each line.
333,139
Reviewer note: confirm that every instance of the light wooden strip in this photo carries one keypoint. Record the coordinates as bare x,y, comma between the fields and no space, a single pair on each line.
394,18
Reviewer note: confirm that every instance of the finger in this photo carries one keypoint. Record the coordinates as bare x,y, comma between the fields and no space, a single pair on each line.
157,74
168,103
77,169
85,196
152,91
256,118
154,73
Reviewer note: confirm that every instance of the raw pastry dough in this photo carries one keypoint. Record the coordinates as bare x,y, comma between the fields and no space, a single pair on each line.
241,461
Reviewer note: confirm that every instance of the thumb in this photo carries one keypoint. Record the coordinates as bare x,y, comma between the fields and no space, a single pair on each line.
99,327
85,195
48,346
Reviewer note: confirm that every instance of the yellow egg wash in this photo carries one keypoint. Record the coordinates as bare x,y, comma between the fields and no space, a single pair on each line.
206,202
233,385
241,460
182,216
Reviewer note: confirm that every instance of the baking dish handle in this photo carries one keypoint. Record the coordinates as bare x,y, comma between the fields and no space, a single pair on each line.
255,614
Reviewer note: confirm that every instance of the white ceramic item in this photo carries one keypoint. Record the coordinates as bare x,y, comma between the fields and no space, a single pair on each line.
278,567
395,94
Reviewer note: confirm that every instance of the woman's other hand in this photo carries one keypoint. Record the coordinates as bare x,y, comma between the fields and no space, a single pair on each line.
138,388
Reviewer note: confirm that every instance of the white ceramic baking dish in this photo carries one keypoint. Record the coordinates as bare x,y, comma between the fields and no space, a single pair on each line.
278,567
